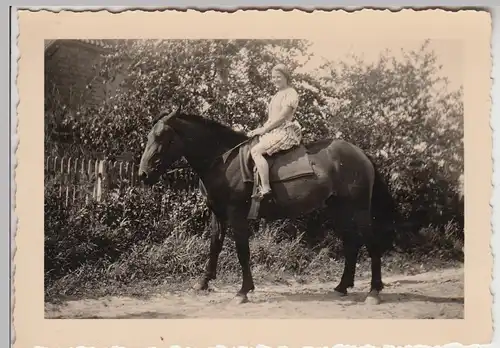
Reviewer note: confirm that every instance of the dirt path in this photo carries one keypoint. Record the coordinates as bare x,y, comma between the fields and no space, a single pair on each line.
437,294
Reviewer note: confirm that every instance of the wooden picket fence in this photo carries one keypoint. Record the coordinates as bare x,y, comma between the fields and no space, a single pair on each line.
81,179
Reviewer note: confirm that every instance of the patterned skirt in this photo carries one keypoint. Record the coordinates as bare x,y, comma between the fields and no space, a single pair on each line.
281,138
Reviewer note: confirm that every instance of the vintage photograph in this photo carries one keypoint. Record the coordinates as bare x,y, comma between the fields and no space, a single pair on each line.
254,178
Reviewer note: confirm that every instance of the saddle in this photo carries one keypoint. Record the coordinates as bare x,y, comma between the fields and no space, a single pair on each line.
284,166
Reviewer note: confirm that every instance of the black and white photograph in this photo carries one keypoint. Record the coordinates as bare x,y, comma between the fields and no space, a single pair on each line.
283,178
247,178
206,174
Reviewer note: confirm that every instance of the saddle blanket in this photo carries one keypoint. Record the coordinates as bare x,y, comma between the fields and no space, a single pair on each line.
284,165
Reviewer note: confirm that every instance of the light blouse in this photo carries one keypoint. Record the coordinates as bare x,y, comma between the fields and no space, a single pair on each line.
282,99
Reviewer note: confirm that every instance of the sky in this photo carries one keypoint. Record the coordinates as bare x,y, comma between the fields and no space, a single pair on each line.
448,52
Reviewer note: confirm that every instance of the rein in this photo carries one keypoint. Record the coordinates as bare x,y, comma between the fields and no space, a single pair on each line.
213,160
216,157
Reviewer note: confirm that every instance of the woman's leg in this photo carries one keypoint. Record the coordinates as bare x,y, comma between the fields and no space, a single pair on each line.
262,166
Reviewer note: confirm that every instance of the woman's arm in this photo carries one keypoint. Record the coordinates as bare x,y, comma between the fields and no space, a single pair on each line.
283,116
289,104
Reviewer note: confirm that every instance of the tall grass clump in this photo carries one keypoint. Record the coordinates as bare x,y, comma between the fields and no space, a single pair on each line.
120,243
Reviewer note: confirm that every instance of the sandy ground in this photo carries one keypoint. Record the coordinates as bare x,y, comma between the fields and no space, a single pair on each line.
436,294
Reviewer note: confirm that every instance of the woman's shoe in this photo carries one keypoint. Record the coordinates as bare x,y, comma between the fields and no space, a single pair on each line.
261,194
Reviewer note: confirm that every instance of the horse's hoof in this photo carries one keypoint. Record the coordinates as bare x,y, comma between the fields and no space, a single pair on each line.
373,298
338,294
239,299
200,286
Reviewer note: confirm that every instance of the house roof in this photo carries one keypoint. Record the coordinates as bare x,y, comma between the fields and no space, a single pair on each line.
98,43
49,43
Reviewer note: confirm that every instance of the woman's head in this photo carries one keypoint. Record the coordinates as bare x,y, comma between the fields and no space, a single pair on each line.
280,76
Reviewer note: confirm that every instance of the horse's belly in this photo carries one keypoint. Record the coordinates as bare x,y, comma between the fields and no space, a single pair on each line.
303,195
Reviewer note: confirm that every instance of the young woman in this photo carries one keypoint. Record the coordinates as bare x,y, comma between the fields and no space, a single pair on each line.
280,132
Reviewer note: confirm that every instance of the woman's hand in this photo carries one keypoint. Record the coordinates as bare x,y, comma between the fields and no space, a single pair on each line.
257,131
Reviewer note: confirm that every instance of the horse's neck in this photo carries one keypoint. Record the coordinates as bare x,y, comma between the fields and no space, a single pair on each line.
201,151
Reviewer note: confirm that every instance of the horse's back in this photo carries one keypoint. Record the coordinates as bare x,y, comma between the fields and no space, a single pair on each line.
335,164
330,151
343,162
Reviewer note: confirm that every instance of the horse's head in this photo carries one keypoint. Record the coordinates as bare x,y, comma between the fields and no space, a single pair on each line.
163,147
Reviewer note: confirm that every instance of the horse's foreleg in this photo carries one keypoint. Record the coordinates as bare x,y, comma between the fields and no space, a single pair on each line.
241,232
217,235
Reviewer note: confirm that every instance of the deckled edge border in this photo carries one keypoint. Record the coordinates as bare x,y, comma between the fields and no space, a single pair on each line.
14,141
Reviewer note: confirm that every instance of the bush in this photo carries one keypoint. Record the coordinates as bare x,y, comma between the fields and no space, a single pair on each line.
118,227
400,112
121,242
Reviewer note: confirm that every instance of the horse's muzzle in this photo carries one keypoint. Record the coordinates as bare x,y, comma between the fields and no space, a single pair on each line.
148,179
144,178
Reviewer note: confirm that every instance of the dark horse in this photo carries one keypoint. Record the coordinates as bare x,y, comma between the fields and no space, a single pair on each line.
346,185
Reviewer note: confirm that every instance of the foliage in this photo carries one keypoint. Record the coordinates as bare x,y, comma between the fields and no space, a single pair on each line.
402,114
400,111
111,246
216,78
111,229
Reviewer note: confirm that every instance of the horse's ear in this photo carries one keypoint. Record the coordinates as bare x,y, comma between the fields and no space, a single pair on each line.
177,110
173,114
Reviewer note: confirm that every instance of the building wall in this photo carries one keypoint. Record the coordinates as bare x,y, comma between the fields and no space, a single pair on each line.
71,71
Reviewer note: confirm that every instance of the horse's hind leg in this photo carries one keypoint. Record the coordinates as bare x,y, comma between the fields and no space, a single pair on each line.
241,232
374,248
346,227
217,235
362,233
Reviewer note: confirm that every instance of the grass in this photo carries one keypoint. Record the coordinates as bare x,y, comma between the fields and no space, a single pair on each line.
119,247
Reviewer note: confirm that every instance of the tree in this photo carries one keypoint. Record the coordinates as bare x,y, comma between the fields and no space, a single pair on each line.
226,80
398,110
401,112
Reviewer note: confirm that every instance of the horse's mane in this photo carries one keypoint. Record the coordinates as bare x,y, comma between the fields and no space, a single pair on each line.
222,130
226,134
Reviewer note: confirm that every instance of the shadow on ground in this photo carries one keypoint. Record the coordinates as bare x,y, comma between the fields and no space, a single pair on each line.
142,315
358,297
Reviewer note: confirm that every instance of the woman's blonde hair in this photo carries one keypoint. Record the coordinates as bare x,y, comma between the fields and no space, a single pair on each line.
284,70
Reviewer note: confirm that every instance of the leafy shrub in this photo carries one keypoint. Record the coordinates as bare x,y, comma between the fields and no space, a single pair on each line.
111,229
106,247
399,111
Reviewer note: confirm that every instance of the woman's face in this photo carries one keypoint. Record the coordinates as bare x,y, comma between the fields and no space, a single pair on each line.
278,79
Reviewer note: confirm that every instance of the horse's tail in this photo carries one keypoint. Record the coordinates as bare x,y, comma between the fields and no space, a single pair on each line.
385,213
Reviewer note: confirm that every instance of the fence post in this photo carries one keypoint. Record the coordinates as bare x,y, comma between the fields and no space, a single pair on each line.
100,176
68,183
61,177
47,166
87,179
88,173
132,175
120,177
75,179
